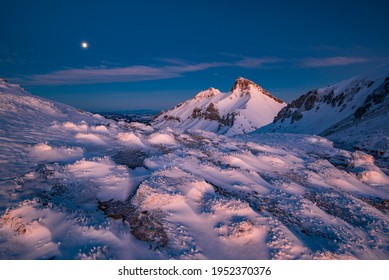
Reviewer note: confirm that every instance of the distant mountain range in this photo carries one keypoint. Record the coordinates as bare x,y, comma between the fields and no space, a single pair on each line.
141,116
245,108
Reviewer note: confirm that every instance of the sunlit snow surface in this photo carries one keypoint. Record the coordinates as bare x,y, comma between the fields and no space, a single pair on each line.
76,186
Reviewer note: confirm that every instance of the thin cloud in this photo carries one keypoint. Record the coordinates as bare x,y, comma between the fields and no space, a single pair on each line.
174,68
252,62
312,62
174,61
244,61
97,75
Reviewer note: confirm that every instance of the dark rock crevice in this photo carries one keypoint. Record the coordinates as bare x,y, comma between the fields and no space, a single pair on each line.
144,225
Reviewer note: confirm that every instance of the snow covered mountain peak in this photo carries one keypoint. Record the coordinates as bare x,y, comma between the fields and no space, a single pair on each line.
245,108
243,86
210,92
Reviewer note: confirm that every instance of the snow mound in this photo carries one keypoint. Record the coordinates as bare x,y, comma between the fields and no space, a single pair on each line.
83,126
162,139
111,181
90,138
45,152
30,225
129,138
367,172
372,177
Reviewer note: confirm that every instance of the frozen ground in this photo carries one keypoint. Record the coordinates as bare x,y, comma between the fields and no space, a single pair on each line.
76,186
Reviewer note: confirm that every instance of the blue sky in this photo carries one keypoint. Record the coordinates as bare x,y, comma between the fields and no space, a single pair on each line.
154,54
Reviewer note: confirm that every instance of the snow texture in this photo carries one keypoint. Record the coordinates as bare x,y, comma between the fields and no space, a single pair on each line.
74,185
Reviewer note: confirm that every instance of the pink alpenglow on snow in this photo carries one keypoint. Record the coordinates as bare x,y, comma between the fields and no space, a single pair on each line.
74,185
244,109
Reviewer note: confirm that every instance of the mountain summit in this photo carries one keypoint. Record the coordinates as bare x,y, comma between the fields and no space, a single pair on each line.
245,86
245,108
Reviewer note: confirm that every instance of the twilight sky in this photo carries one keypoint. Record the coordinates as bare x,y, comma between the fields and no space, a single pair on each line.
154,54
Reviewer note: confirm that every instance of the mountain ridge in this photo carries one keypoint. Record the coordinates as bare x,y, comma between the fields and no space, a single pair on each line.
246,107
352,113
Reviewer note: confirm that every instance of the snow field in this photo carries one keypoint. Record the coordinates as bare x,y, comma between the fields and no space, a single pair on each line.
76,186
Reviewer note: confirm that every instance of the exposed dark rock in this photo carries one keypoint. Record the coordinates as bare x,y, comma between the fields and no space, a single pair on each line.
376,97
305,102
296,116
132,158
196,113
379,94
338,100
145,225
171,118
328,97
310,100
212,113
283,114
361,111
229,119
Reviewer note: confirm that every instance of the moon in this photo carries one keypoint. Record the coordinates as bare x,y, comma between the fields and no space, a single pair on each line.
84,45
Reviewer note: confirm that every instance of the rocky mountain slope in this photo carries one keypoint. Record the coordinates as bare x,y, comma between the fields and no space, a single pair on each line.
353,113
245,108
